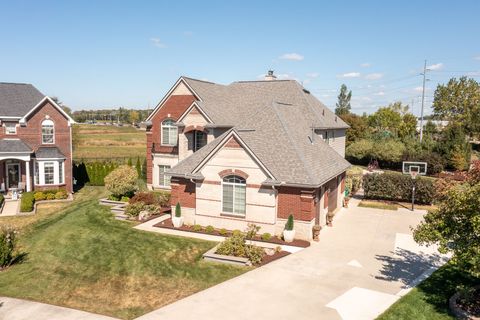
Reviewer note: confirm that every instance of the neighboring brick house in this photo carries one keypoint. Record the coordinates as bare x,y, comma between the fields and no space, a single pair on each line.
248,152
35,141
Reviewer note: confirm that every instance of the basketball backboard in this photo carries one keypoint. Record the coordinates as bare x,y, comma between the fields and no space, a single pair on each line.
417,167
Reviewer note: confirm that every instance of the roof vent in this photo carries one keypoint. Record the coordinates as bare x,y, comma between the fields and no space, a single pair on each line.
269,76
323,112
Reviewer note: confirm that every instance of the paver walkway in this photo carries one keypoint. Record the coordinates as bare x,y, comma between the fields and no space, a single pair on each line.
360,267
16,309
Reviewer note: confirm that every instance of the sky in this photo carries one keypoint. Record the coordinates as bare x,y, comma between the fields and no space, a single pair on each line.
107,54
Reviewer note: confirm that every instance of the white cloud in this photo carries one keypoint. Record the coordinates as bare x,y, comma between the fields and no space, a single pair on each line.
366,65
436,66
292,56
157,43
313,75
350,75
380,93
476,58
374,76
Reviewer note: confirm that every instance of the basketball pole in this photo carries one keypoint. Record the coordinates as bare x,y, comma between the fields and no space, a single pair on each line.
413,195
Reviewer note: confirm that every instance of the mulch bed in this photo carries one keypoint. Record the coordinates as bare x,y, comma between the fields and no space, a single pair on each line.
277,255
167,224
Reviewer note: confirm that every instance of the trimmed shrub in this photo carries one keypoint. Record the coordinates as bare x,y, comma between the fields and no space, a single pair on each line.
266,236
398,187
27,201
122,181
2,199
209,229
39,196
359,151
289,224
50,196
61,194
223,232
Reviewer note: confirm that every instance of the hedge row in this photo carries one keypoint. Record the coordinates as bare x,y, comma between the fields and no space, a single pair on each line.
398,187
27,201
92,173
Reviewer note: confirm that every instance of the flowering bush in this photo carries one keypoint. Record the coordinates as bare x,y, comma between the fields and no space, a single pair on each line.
8,244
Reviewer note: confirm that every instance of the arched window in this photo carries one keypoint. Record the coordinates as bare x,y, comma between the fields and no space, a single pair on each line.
169,133
48,132
233,195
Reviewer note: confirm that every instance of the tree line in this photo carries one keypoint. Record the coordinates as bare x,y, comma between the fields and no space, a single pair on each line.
390,135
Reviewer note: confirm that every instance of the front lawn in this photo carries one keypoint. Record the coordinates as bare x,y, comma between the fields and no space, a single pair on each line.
81,257
429,300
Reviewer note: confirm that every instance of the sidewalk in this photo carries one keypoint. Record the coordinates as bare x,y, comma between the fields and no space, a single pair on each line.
16,309
10,208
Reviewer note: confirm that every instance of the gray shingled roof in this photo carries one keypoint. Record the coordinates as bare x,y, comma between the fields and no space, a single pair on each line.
16,99
279,115
49,153
14,145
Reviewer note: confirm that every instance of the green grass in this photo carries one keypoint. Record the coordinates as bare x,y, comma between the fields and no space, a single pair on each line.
81,257
429,300
377,205
92,141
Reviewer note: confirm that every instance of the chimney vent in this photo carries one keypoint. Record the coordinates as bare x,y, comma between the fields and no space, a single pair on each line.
270,76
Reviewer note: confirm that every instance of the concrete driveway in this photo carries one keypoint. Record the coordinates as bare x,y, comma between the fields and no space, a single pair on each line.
360,267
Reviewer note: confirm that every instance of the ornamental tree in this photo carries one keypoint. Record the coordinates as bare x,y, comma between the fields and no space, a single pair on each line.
122,181
455,226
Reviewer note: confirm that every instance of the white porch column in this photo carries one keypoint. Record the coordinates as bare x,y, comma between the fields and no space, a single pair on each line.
27,175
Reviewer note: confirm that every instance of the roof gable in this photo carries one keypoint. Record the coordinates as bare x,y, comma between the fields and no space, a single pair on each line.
41,104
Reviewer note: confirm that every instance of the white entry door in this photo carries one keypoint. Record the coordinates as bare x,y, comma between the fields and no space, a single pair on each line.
13,175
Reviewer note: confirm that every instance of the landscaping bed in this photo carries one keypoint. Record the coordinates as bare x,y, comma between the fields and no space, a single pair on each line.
167,224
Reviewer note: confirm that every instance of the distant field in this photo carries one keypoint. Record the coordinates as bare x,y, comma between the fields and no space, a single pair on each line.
91,141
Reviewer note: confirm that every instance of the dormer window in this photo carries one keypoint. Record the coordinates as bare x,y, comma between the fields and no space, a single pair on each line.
10,128
48,132
169,133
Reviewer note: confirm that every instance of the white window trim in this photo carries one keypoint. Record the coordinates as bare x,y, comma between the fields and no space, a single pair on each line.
165,178
6,129
241,215
56,172
170,127
53,134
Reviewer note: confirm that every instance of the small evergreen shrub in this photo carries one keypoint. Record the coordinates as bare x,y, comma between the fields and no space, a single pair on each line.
178,210
27,201
209,229
223,232
2,199
252,230
289,224
61,194
197,227
50,196
266,236
125,199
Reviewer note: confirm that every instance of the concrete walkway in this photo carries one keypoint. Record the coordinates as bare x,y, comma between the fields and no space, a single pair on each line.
16,309
10,208
360,267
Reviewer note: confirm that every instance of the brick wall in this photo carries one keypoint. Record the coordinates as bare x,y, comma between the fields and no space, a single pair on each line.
183,191
297,201
173,108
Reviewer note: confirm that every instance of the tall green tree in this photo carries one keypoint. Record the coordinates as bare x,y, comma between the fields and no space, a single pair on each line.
459,101
359,128
343,105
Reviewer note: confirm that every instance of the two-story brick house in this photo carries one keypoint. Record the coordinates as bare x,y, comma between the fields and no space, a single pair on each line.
35,141
247,152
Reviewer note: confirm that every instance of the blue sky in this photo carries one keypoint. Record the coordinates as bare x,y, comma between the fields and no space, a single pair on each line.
94,54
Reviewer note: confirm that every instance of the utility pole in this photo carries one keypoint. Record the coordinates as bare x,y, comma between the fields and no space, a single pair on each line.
423,99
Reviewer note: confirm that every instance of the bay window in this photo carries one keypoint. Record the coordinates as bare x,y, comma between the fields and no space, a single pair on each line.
51,172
